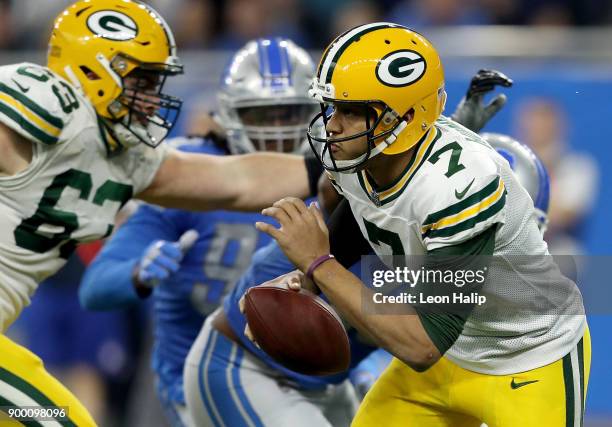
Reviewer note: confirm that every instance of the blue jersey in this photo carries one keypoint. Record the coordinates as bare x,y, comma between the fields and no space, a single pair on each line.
369,369
226,243
268,263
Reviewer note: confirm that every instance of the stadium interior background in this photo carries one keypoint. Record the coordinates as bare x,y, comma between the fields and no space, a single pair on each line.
557,52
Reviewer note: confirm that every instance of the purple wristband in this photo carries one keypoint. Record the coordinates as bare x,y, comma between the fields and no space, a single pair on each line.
316,263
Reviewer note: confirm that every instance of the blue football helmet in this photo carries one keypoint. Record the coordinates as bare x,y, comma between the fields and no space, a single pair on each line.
263,98
530,171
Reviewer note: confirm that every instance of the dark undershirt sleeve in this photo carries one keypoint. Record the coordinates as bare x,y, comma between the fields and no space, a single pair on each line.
346,241
314,170
444,325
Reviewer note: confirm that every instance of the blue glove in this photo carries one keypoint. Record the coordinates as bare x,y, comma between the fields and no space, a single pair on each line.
161,259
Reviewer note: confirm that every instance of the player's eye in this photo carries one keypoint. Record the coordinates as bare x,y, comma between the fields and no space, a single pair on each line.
350,111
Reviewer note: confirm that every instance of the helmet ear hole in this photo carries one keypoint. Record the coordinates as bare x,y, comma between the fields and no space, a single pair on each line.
91,75
100,93
409,115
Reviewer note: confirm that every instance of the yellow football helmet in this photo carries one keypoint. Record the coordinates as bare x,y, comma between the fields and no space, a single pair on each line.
385,67
96,44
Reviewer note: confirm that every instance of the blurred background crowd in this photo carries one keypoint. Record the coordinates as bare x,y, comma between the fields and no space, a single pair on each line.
228,24
555,50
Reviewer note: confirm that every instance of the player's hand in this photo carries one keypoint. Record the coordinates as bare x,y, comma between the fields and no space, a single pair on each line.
303,235
294,280
472,111
290,280
161,259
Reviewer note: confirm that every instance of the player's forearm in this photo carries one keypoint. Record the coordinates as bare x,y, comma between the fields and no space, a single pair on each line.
246,182
264,178
190,181
401,335
107,285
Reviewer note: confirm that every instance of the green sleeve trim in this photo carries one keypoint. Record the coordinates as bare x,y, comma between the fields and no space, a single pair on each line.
481,244
32,130
442,329
37,109
469,223
463,204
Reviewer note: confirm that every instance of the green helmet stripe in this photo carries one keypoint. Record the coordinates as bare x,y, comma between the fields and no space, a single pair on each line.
328,63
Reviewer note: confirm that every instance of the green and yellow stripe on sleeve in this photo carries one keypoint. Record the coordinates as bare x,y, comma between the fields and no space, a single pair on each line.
29,118
466,214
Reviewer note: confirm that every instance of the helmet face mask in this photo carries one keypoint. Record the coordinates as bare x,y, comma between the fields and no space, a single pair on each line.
263,97
151,114
103,48
380,122
276,127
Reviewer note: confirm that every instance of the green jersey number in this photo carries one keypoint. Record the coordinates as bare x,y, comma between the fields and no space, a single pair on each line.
377,236
64,93
454,165
28,234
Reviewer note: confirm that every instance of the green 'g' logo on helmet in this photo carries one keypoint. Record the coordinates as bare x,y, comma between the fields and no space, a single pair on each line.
401,68
112,25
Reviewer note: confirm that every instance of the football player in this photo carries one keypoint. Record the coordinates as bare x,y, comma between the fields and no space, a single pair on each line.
532,176
417,183
260,391
81,137
187,260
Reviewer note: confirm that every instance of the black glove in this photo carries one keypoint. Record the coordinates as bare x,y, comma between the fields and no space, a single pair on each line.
471,111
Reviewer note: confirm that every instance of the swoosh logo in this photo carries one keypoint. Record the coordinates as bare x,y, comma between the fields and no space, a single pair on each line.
514,385
23,89
460,195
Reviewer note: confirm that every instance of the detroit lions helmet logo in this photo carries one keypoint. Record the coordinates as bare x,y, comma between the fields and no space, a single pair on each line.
112,25
401,68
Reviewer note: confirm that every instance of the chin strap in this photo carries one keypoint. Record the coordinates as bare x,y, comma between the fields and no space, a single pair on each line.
393,137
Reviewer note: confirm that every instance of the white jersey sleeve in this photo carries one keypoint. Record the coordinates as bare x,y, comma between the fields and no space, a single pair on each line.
35,102
461,195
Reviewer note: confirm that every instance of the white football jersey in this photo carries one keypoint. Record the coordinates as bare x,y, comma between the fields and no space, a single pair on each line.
455,187
72,188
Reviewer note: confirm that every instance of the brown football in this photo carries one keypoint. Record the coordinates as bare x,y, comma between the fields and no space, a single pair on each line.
299,330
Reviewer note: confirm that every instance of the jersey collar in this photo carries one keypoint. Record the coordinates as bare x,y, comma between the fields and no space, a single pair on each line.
392,191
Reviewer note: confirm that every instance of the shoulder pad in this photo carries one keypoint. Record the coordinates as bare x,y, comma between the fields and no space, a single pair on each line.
460,194
36,102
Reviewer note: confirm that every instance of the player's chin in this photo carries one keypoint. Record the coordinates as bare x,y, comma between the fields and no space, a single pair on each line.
142,118
340,154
